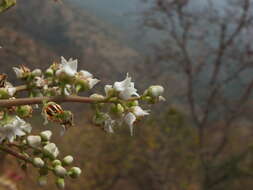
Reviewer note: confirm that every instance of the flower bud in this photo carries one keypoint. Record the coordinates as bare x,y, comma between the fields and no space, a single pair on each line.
42,180
4,93
75,172
109,90
51,150
60,183
36,72
56,163
97,97
38,162
49,72
24,111
60,171
68,160
155,91
34,141
46,135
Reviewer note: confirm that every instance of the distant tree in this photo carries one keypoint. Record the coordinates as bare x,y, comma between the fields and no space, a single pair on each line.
209,45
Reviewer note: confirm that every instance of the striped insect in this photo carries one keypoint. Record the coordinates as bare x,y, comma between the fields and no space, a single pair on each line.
54,112
3,78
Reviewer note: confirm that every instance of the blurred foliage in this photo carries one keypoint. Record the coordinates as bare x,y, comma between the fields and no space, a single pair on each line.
6,4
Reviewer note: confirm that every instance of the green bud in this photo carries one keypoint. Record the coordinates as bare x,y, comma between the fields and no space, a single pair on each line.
97,97
74,172
60,183
56,163
67,160
49,72
24,111
42,180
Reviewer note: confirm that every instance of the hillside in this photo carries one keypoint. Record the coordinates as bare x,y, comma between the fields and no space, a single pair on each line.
39,31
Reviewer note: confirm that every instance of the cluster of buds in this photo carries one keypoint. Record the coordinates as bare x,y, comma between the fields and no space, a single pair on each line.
45,158
120,104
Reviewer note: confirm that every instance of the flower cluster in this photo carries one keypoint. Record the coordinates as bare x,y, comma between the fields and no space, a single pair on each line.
61,81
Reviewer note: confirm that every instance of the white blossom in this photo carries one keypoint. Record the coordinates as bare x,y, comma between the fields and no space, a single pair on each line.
51,149
11,90
67,90
108,90
13,127
92,82
68,68
18,72
130,118
85,74
109,124
125,88
139,112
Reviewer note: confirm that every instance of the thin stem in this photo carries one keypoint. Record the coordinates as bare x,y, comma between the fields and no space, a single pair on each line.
58,99
15,154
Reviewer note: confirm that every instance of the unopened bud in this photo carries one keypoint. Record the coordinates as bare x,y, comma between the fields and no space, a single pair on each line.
60,171
60,183
75,172
68,160
34,141
38,162
155,91
36,72
46,135
42,180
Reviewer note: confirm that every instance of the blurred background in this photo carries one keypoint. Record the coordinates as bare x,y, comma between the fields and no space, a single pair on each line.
201,51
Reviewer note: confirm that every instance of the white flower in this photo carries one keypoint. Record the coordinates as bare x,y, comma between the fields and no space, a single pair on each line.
108,90
138,111
109,124
125,88
18,72
85,74
130,118
51,149
67,90
34,140
11,91
92,82
13,127
68,68
22,71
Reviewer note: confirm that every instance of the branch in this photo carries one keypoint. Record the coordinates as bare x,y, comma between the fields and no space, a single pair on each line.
39,100
15,154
